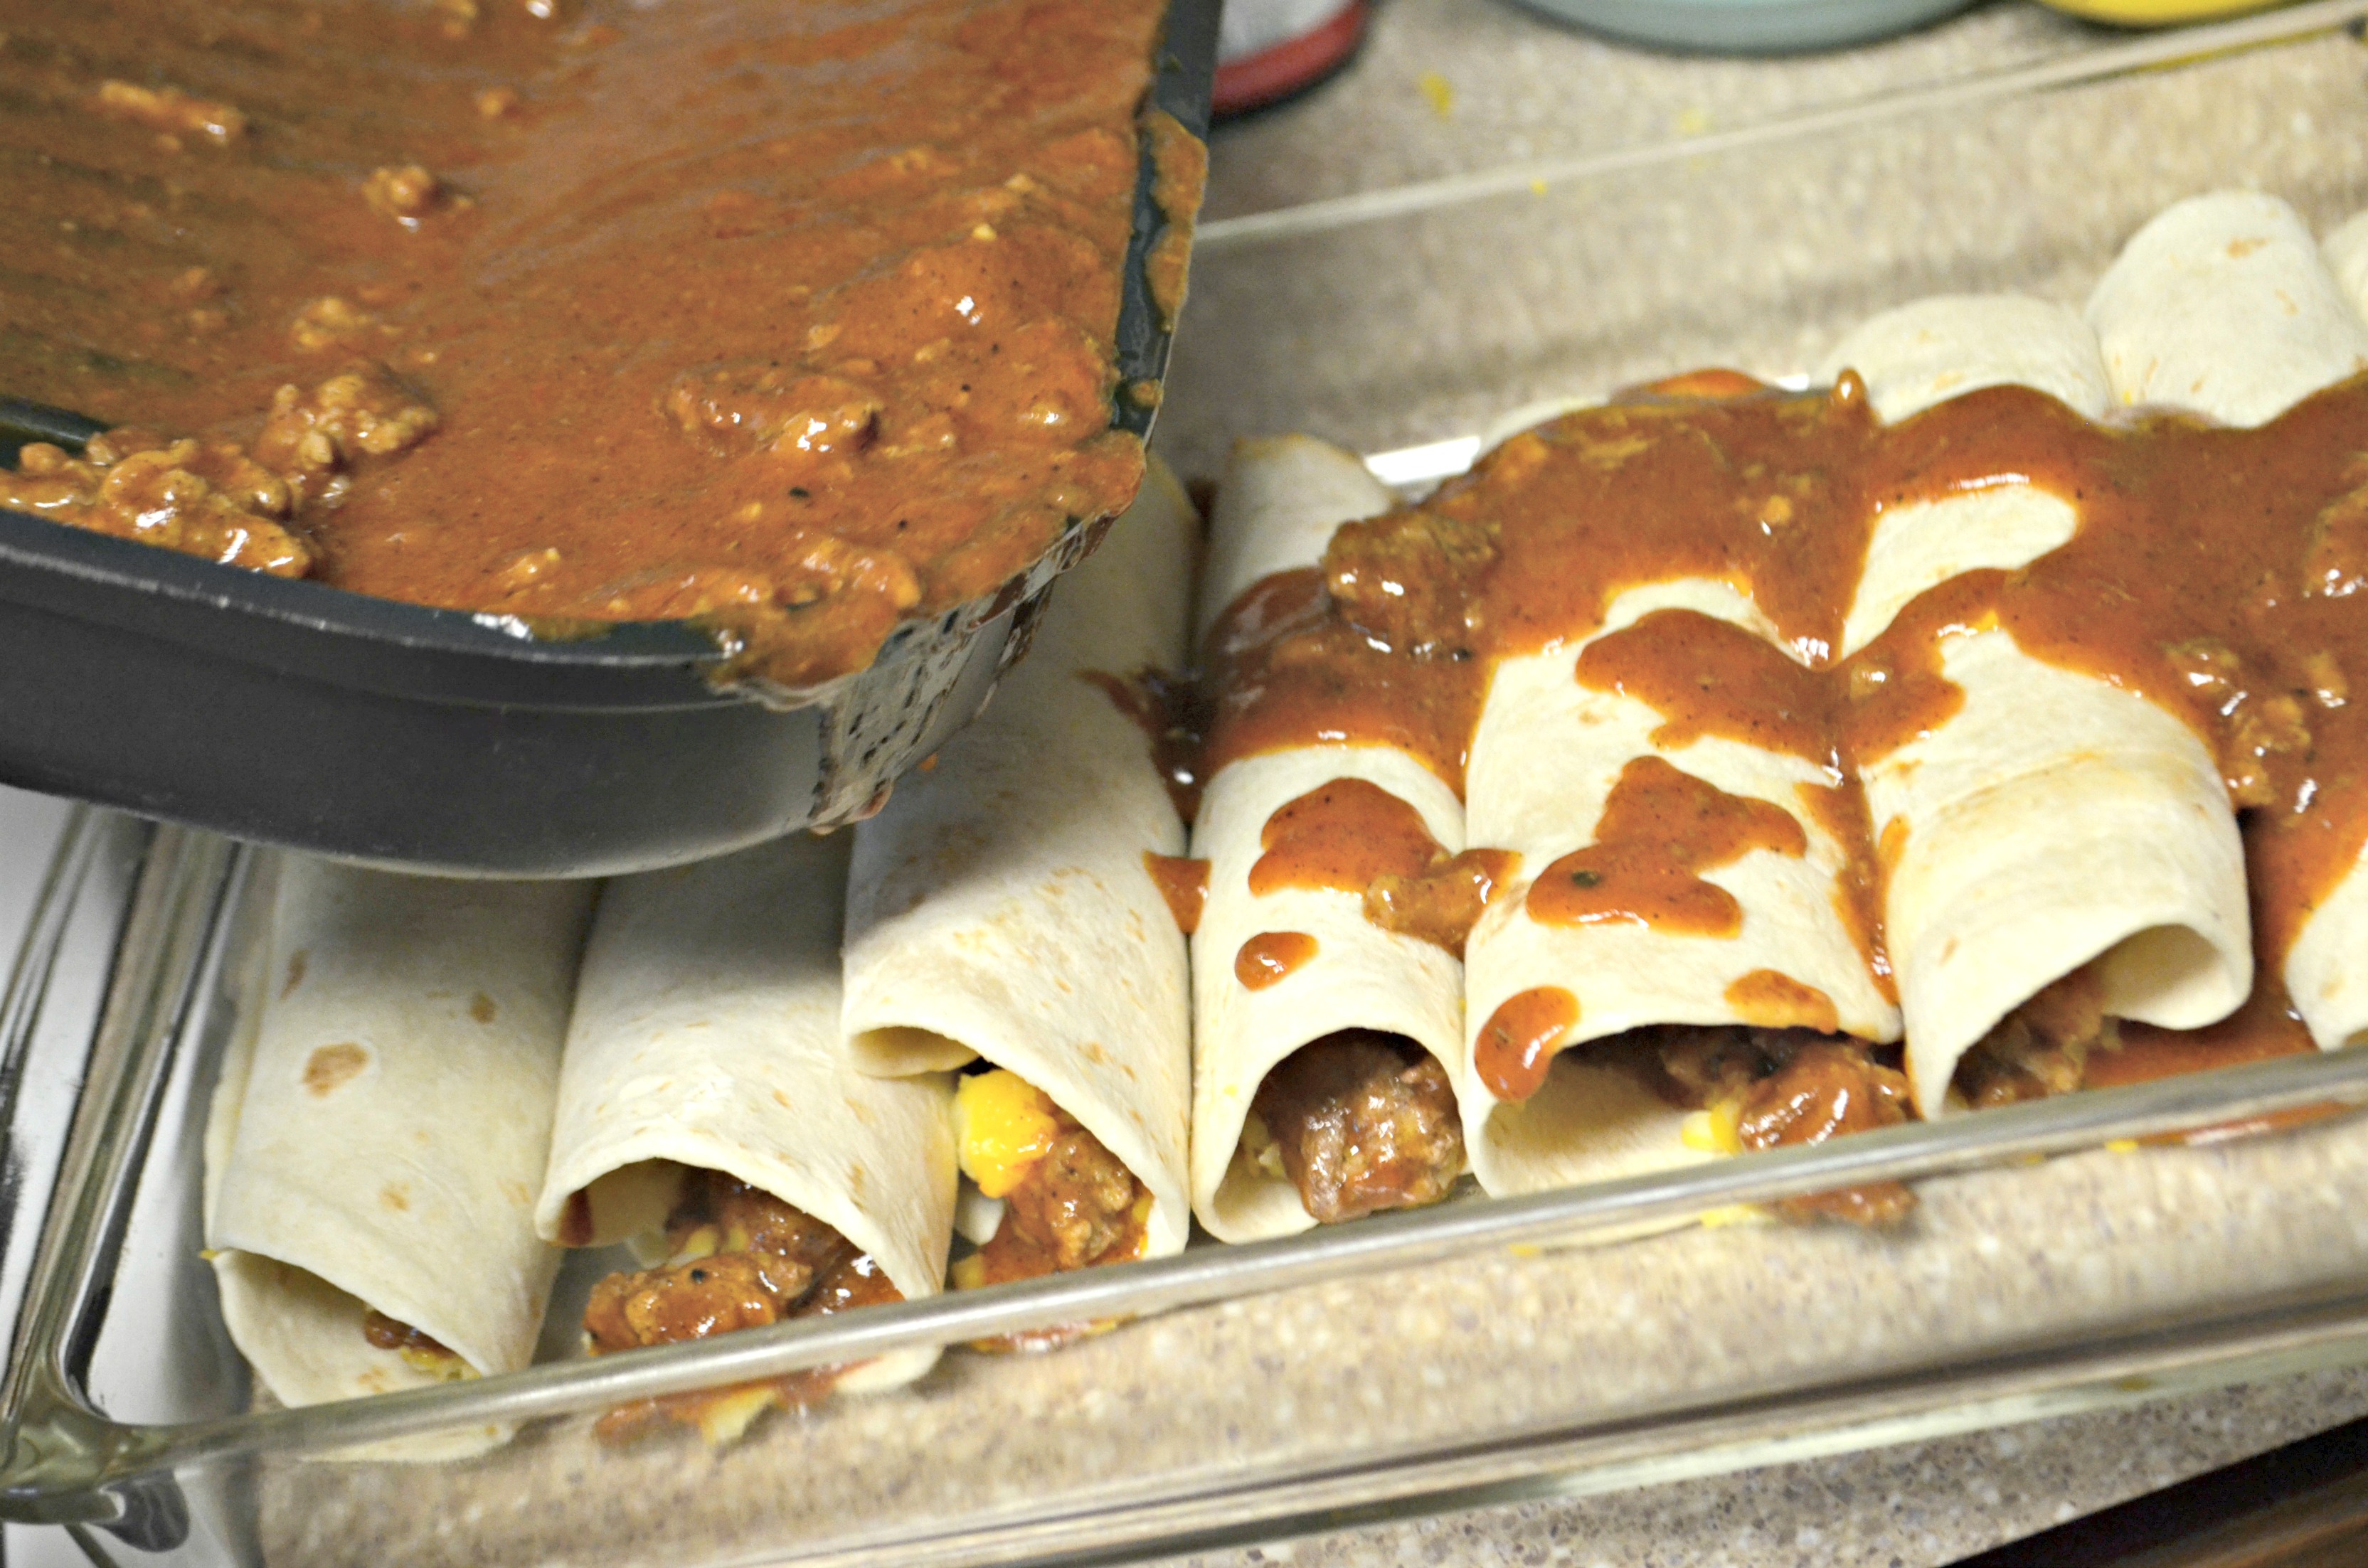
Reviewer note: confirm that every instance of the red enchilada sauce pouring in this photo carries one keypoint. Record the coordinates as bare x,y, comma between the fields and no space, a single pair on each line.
798,318
2210,572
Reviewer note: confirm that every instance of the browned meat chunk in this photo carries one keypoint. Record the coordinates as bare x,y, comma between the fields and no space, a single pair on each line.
210,500
1824,1091
713,1295
747,1259
172,112
405,195
1364,1121
1406,576
1075,1205
1781,1087
749,406
754,1260
2040,1048
394,1333
315,438
1442,904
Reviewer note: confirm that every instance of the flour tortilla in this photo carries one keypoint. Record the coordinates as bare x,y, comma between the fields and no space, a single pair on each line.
1919,355
2222,306
706,1036
1277,509
1281,498
2345,251
1590,1123
1361,976
378,1142
2054,819
1000,907
2323,971
1926,353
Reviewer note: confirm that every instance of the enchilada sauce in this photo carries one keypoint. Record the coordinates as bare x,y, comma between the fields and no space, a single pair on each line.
796,319
2217,571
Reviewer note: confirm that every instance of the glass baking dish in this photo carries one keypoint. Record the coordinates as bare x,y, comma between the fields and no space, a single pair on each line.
1421,1360
1414,1362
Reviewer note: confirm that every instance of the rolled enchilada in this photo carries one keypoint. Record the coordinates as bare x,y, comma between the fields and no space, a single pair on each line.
1687,965
2033,819
708,1116
1326,966
374,1146
1008,907
2223,307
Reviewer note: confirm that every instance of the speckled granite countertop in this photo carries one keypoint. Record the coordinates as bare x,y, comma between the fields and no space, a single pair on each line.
1916,1506
1415,330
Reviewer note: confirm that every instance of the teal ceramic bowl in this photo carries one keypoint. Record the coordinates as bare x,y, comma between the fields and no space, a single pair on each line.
1748,27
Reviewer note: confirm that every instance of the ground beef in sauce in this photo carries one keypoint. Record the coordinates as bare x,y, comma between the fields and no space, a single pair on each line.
799,319
1406,576
2040,1048
1364,1121
745,1260
1782,1087
207,499
1076,1206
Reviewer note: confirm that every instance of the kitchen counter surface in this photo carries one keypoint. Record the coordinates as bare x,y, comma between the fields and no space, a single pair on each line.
1917,1505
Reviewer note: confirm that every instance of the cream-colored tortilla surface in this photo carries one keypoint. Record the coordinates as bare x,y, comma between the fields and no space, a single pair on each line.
1001,906
2222,306
1276,510
706,1036
1282,497
1587,1124
1926,353
383,1148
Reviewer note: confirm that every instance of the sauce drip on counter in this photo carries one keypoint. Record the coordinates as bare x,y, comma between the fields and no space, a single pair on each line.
1272,957
1184,883
1661,829
2214,570
797,320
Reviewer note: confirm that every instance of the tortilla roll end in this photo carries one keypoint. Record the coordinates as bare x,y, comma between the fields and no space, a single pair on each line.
2223,305
1930,351
2054,820
1361,978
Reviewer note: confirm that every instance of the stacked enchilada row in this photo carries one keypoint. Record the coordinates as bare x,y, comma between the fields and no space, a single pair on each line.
777,1124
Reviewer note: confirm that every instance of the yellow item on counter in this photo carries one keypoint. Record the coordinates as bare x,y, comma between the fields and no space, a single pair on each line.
2158,13
1002,1125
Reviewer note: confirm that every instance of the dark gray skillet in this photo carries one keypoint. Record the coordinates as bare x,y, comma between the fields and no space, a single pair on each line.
298,715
